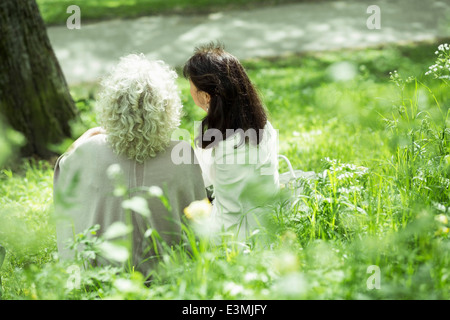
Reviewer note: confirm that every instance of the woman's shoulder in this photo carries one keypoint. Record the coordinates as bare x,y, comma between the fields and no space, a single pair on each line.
92,145
235,141
97,143
269,129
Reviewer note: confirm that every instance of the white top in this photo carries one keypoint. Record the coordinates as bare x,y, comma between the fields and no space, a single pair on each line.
243,178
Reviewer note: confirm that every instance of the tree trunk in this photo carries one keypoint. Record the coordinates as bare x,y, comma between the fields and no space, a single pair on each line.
34,96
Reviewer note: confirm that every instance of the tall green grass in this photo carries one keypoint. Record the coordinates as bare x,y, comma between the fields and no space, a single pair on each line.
378,144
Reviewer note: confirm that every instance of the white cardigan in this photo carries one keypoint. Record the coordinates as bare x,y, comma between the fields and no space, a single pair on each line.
243,179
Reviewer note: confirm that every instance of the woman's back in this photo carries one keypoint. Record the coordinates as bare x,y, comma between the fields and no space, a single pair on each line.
84,187
243,178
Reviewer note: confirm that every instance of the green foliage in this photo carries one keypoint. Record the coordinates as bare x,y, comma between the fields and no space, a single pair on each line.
378,144
54,11
9,141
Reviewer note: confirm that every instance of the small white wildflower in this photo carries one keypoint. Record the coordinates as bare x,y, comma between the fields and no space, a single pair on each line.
343,190
155,191
114,171
137,204
126,285
251,276
442,218
113,251
117,229
233,288
440,206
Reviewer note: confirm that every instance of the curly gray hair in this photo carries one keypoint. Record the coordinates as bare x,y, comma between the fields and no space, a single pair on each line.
139,107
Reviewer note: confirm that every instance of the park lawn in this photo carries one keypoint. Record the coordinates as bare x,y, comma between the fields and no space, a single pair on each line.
54,12
372,225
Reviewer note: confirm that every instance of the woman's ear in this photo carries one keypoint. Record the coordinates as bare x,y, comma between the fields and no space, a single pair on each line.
206,97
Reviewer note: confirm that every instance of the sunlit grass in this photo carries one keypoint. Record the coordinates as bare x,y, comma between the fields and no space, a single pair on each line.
380,154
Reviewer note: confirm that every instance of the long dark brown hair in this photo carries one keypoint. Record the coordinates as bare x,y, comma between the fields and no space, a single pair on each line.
235,103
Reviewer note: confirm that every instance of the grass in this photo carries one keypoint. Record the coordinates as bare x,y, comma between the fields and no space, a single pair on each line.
54,12
377,207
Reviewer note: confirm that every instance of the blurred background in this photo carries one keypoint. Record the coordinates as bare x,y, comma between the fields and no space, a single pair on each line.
170,29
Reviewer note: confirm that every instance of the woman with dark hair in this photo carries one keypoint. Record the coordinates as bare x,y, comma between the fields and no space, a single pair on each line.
236,144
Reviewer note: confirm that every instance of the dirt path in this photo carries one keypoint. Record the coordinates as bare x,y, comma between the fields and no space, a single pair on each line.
87,53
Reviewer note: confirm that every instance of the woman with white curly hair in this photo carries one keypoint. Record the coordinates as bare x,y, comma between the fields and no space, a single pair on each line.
113,167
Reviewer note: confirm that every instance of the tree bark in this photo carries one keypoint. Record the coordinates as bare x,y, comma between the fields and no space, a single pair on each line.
34,96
